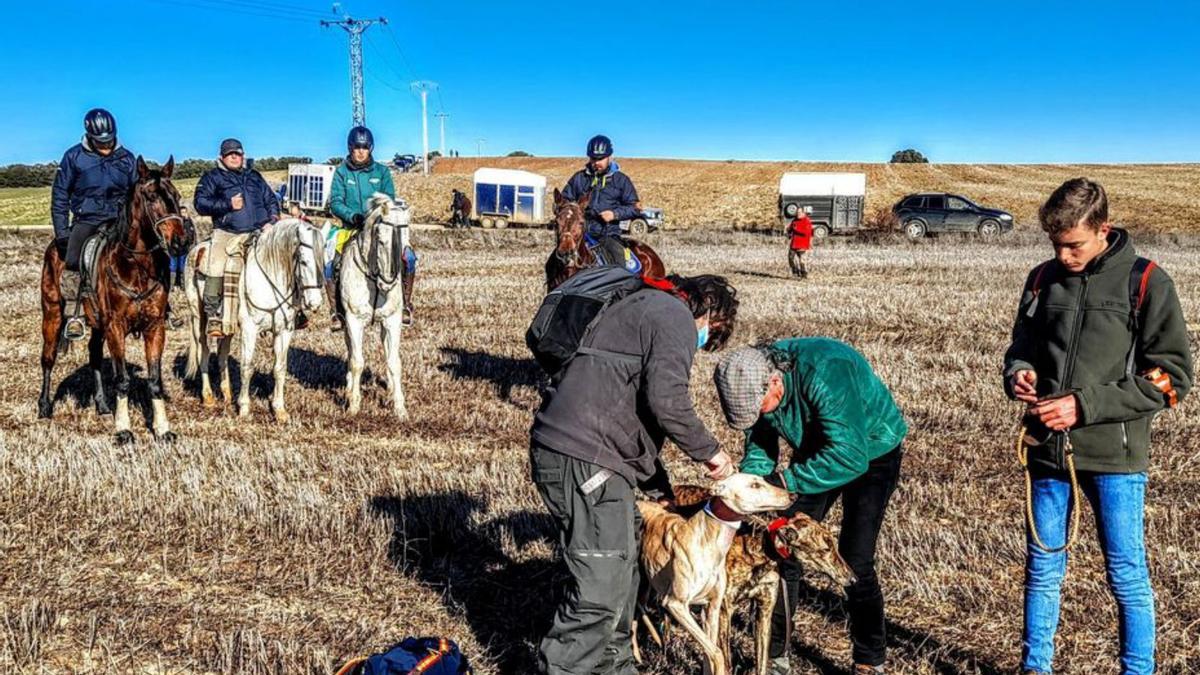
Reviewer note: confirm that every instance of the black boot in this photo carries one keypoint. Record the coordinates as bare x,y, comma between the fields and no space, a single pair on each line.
407,289
335,303
71,288
212,306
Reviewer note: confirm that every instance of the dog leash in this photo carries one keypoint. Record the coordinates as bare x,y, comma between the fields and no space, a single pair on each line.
1023,458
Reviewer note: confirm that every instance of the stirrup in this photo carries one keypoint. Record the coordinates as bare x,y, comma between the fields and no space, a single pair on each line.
336,324
75,329
215,328
406,316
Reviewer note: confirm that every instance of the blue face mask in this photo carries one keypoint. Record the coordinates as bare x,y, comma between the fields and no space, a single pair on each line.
702,337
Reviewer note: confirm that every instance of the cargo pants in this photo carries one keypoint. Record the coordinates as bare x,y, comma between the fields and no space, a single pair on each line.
599,530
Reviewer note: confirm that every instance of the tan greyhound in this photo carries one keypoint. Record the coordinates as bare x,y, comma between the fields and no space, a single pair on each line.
683,559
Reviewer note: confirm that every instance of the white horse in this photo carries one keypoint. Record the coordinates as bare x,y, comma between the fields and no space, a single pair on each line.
283,272
371,269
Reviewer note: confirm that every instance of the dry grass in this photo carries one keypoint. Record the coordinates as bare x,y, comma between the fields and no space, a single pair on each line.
253,548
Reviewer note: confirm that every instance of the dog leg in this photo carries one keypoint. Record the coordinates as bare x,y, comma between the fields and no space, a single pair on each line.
762,623
715,662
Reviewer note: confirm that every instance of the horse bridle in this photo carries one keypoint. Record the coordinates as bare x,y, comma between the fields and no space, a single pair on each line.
364,265
298,283
571,258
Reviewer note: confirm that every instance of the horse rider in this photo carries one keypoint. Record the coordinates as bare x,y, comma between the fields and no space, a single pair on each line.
354,182
239,201
91,185
613,199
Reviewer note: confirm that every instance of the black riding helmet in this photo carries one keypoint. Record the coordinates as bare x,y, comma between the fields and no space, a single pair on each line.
360,137
599,147
100,127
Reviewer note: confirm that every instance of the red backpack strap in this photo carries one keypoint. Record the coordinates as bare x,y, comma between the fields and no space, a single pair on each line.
1139,281
1038,273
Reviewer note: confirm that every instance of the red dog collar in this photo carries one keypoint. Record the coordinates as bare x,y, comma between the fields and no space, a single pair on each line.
771,529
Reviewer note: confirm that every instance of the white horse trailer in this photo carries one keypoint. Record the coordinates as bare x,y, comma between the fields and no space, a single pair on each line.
834,201
504,196
309,185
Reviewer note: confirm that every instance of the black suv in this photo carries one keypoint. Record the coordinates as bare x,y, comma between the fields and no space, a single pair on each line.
933,212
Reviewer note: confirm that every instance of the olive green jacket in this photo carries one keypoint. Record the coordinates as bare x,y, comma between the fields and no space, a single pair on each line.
1076,333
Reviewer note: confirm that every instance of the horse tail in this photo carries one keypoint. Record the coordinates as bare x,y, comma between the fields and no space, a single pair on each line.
193,299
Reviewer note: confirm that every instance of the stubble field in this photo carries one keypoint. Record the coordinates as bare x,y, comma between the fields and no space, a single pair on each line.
248,547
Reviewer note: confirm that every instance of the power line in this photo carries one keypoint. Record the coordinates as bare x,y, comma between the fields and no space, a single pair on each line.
198,4
271,6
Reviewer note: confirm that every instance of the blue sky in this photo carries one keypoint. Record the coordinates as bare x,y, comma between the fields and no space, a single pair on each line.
963,82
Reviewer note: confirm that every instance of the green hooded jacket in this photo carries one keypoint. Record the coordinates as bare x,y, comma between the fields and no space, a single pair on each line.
836,415
1077,337
352,189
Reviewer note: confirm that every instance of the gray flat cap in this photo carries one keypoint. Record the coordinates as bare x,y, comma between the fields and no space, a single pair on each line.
741,378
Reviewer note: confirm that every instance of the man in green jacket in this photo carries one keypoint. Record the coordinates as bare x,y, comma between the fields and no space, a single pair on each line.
354,182
845,433
1099,347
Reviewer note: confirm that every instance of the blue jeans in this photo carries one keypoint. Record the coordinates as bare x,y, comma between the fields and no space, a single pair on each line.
1117,501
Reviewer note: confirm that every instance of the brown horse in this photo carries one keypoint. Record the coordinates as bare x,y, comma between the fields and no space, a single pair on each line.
130,296
572,253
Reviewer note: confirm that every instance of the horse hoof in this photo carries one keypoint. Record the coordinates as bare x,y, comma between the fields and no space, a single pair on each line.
243,410
45,410
124,437
282,417
102,408
167,438
402,415
210,401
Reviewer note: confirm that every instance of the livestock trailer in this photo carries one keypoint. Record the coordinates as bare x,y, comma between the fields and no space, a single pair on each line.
834,201
504,196
308,185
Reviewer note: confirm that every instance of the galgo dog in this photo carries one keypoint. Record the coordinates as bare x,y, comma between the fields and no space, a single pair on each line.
683,559
752,573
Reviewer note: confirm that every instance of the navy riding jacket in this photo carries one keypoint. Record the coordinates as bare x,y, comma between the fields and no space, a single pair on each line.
214,197
89,188
611,191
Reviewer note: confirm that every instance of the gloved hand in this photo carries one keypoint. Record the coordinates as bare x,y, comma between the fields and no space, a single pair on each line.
61,245
358,220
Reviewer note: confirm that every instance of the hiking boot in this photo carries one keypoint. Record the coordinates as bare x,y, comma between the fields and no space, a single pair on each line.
335,302
864,669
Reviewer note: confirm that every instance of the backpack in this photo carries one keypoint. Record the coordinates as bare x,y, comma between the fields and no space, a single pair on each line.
1139,280
413,656
569,313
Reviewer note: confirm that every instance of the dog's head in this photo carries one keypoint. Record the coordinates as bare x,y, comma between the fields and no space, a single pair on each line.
746,493
813,547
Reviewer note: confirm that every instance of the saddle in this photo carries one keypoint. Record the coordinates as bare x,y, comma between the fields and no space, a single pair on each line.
89,271
628,260
235,262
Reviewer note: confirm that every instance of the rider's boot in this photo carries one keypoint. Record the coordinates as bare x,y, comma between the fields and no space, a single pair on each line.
212,305
74,326
407,289
333,289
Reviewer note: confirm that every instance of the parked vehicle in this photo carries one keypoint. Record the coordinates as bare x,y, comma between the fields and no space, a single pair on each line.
508,196
406,163
650,220
308,186
934,212
834,201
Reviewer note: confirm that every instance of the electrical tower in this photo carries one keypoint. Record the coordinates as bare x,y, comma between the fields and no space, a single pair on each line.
442,120
424,86
354,28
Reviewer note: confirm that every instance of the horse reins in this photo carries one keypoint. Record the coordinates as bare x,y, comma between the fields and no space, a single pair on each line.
1023,458
299,286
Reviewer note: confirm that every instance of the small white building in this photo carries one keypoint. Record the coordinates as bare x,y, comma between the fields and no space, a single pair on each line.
503,196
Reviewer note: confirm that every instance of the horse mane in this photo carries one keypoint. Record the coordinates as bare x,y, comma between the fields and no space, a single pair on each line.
380,204
276,246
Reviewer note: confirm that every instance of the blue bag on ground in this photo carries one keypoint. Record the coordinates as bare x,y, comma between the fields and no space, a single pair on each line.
413,656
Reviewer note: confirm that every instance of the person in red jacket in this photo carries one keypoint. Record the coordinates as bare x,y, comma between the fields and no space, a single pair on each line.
800,232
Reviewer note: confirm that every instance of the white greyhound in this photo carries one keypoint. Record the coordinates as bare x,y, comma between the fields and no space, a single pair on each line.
283,273
371,270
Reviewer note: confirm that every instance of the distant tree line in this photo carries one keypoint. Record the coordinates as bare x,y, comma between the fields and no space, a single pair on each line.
42,175
909,156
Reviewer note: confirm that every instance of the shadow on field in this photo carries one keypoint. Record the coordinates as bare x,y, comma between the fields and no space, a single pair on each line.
442,541
763,275
503,372
917,646
78,387
305,367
